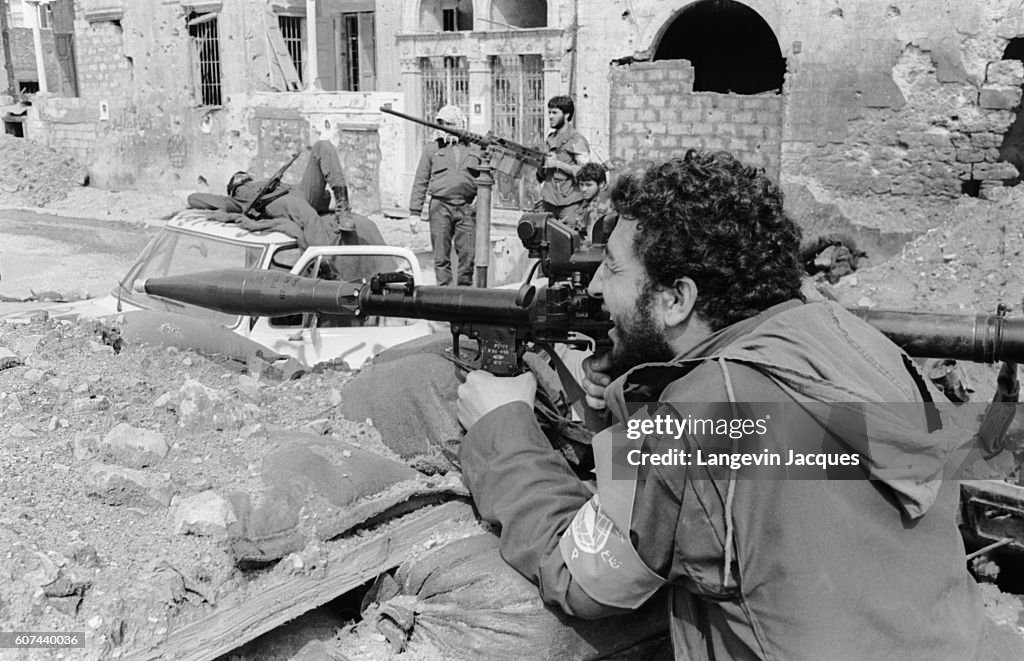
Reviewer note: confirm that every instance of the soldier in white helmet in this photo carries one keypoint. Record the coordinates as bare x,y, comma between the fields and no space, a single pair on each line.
447,171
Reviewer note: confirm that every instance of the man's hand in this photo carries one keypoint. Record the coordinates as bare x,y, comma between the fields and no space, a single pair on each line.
596,379
483,392
552,162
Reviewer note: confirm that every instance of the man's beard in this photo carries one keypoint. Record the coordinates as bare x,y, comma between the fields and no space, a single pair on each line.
640,339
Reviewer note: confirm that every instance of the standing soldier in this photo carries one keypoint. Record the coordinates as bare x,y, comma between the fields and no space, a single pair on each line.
447,171
567,152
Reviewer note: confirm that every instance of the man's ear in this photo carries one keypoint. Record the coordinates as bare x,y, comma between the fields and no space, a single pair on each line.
678,301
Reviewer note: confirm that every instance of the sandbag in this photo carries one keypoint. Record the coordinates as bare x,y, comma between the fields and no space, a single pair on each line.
463,600
409,393
317,487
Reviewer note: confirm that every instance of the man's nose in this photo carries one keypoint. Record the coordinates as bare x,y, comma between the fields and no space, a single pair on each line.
595,288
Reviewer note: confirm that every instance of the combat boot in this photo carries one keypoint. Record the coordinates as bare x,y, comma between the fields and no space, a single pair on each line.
342,209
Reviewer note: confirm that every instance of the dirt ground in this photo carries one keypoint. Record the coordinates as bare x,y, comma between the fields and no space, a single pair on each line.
77,556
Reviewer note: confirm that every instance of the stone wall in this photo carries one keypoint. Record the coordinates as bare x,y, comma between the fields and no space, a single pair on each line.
138,124
655,115
889,111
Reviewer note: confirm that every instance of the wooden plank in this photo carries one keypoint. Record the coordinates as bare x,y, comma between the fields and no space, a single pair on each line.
993,510
224,630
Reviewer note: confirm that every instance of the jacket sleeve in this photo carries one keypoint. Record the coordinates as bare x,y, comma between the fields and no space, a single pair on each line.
420,182
519,482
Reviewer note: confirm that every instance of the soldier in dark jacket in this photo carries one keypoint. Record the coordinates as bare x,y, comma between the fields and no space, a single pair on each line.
447,171
567,152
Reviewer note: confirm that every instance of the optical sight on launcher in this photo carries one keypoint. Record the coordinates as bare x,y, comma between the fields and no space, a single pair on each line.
504,322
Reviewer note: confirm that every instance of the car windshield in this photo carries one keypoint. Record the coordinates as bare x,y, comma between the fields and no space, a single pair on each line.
174,252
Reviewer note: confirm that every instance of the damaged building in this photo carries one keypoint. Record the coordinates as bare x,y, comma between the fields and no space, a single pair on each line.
871,112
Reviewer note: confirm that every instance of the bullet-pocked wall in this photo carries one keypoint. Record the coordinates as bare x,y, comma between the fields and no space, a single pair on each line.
890,109
178,95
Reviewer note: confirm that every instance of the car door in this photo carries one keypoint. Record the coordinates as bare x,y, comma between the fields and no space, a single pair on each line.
341,335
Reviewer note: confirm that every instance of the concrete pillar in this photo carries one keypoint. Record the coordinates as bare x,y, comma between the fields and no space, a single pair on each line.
412,89
37,40
312,72
552,78
479,95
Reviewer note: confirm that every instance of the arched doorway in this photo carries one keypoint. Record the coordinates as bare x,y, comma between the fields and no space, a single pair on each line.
731,48
1012,148
714,82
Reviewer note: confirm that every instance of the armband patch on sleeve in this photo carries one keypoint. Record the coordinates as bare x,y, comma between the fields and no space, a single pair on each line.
603,562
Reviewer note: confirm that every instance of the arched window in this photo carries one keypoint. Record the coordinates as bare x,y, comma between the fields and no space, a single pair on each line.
731,48
518,14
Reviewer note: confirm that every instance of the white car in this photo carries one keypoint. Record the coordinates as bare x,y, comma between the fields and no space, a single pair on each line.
190,243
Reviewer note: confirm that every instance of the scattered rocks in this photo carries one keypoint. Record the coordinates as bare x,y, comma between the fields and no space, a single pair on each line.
8,358
34,375
93,403
205,514
133,447
19,430
26,344
117,485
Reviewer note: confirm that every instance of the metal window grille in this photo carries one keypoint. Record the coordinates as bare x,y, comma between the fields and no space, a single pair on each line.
291,31
352,50
206,47
517,104
445,82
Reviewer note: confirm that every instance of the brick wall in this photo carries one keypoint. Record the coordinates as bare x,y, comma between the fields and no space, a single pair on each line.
103,69
655,115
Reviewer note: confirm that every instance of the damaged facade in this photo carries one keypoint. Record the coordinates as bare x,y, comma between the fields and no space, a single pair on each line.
875,112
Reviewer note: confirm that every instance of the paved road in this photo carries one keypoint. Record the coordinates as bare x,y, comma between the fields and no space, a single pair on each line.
43,252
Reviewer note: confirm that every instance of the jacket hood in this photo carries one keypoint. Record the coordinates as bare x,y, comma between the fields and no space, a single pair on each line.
842,368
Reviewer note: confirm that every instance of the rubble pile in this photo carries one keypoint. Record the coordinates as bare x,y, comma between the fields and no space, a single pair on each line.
32,174
970,263
115,469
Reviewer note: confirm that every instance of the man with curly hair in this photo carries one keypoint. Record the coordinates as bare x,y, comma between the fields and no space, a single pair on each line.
853,559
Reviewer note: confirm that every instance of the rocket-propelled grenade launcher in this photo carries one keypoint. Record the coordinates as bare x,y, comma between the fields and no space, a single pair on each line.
499,319
504,322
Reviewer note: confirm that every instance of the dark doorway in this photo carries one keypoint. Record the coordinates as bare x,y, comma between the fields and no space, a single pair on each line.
14,127
1012,149
730,46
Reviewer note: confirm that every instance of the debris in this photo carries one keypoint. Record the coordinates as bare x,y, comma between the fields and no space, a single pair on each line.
133,447
92,403
8,358
21,431
117,485
33,174
206,514
34,375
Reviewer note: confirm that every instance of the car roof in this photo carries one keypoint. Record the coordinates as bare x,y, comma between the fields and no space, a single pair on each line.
196,220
